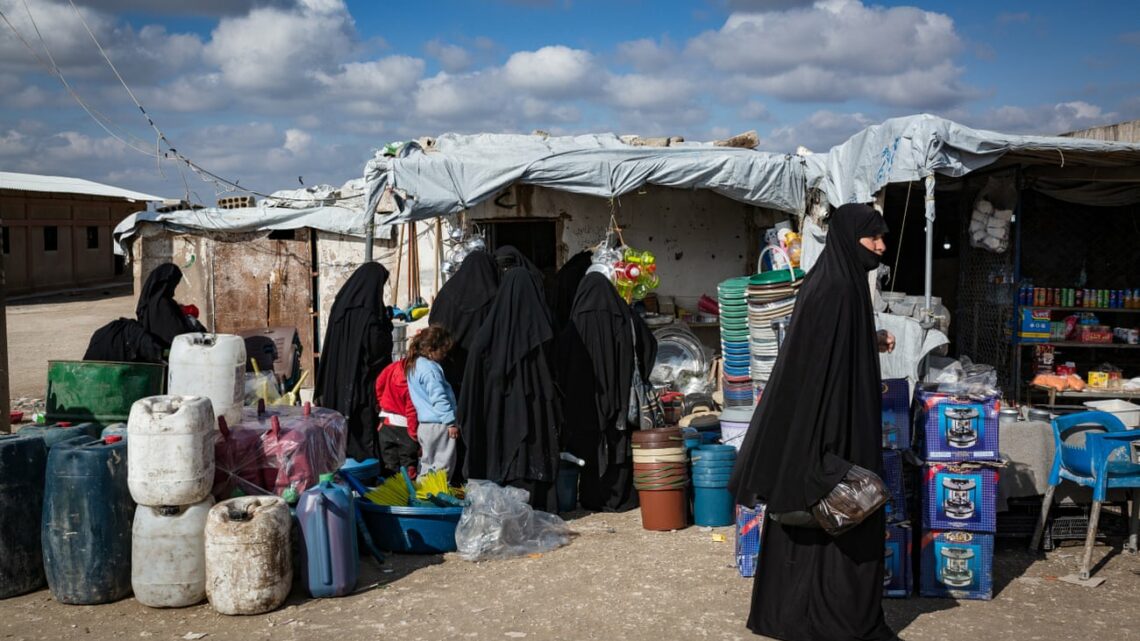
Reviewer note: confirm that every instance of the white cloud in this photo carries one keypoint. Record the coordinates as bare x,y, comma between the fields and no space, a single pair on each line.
640,91
452,58
297,141
13,144
272,50
840,49
647,55
1048,120
374,79
819,132
551,71
754,110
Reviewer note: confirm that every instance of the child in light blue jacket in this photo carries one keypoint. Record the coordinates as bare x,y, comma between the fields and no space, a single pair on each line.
433,397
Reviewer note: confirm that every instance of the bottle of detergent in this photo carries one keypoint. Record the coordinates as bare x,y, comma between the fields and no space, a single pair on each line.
330,559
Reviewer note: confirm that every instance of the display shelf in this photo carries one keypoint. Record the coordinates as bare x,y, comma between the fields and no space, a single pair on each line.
1087,394
1122,310
1089,345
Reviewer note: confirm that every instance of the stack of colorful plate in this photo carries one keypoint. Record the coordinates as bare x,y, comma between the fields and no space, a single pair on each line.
734,340
771,295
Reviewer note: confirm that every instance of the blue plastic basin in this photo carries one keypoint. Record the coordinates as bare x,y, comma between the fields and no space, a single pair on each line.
411,530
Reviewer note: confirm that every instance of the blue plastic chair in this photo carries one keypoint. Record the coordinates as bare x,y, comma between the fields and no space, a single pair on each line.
1101,460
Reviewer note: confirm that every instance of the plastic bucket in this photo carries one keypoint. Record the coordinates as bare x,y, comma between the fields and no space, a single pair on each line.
733,434
411,530
658,445
712,507
567,487
663,509
712,479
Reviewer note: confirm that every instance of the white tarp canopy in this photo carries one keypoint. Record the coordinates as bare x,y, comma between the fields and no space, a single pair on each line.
913,147
334,220
459,171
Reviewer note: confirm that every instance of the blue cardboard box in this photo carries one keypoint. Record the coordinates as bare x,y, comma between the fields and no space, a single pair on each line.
749,527
896,414
957,565
1035,326
956,428
897,561
960,497
893,477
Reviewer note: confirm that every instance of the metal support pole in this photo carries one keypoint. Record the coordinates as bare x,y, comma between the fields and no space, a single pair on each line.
929,282
369,234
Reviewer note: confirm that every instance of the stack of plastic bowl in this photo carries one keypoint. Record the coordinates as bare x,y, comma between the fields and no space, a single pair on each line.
734,341
771,296
661,477
713,504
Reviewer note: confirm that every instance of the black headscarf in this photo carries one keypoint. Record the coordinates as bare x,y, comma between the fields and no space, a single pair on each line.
509,410
596,355
566,283
461,306
123,341
357,346
820,412
157,310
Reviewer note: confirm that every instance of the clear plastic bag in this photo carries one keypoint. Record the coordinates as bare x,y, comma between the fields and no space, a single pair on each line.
856,497
500,524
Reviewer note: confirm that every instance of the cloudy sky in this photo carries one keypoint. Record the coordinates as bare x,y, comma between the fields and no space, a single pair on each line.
263,92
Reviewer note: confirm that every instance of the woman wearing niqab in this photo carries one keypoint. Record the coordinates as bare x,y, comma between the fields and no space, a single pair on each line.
461,306
820,414
157,311
357,346
603,346
509,410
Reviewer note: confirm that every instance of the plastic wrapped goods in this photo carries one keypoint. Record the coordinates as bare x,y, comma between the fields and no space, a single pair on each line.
856,497
500,524
274,449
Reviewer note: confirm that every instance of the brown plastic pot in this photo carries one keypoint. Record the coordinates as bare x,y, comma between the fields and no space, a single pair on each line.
646,467
658,444
663,509
667,433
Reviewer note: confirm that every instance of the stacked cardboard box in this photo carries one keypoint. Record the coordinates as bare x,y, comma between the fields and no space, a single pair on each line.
958,438
896,438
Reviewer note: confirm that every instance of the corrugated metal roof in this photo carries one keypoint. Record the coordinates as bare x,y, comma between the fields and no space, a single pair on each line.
65,185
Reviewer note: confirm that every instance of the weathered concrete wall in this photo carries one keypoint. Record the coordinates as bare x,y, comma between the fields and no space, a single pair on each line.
1121,132
700,238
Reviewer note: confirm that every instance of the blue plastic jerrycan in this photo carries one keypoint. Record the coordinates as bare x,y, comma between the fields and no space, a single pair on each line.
22,463
330,560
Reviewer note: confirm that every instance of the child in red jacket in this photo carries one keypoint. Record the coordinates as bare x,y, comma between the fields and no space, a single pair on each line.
398,423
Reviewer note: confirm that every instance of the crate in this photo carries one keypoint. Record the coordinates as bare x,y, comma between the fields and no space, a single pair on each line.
896,414
1072,524
960,497
957,565
956,428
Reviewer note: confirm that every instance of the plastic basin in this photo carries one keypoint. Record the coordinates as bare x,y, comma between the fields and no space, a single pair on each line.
411,530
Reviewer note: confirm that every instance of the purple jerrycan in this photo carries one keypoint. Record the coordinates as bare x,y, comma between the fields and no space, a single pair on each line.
330,559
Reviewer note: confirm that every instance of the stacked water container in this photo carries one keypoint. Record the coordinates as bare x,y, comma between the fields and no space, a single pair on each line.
734,343
712,502
170,474
958,439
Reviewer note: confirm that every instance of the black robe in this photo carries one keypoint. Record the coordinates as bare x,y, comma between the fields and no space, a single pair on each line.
820,413
123,341
461,306
596,356
157,311
509,407
357,346
566,283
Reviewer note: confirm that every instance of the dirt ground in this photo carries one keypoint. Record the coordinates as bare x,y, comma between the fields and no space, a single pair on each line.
56,328
614,581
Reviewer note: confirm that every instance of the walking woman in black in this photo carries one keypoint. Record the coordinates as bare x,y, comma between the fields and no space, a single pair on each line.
821,414
357,347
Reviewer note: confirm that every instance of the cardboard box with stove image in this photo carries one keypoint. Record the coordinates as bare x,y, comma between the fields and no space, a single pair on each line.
897,560
960,496
955,428
956,565
896,508
896,414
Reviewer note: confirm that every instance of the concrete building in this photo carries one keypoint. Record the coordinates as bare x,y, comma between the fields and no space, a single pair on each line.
57,231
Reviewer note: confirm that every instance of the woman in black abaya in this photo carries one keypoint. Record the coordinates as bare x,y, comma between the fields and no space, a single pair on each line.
598,351
508,410
357,346
566,283
157,311
820,414
461,306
